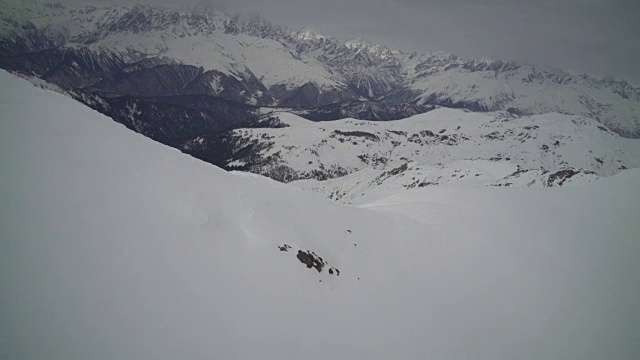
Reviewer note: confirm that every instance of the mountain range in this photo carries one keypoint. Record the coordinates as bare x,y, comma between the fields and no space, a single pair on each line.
166,60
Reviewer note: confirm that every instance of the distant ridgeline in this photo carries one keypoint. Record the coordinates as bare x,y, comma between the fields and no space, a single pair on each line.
177,76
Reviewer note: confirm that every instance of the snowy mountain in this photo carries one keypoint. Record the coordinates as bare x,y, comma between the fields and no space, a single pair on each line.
114,246
234,93
148,52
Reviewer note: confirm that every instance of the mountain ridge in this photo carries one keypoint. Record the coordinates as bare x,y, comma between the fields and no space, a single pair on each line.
295,68
443,146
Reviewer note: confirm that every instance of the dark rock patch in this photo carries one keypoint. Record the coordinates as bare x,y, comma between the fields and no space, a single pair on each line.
560,177
363,134
284,247
311,260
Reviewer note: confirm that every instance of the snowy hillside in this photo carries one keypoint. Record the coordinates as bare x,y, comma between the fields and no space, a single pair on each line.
439,147
120,51
115,246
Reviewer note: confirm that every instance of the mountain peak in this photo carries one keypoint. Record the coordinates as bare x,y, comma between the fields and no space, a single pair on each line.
357,43
308,34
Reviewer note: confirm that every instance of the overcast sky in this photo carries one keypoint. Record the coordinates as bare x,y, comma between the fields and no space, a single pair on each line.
599,37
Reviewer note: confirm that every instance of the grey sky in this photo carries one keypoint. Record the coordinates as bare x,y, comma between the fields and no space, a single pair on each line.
599,37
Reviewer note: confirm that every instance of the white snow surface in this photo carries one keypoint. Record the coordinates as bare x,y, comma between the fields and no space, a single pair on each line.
116,247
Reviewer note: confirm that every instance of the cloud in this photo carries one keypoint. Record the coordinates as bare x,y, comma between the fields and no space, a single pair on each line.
593,36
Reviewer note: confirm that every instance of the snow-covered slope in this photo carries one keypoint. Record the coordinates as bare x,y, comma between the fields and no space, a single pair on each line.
114,246
117,49
439,147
